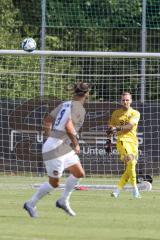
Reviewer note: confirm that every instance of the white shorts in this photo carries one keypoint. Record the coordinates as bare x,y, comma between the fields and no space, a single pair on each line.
55,167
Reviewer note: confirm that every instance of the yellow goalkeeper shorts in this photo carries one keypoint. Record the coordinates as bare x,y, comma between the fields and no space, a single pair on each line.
127,148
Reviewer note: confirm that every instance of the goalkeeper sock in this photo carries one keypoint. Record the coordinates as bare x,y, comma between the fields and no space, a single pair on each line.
69,187
124,179
131,169
44,189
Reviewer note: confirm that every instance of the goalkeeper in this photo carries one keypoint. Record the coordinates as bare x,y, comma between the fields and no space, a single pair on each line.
61,150
124,123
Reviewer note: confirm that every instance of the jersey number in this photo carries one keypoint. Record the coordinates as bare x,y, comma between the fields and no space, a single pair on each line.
60,117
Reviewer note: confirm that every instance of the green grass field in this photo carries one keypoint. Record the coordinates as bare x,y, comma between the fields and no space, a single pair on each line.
99,217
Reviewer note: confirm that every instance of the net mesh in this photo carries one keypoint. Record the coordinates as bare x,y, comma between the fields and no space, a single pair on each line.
23,109
30,84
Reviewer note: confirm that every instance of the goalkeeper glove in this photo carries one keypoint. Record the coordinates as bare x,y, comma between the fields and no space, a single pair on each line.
108,147
113,130
109,131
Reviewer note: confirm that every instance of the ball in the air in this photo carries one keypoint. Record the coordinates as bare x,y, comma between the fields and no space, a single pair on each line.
29,44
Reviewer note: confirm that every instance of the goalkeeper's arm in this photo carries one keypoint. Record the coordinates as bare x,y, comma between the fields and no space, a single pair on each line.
127,127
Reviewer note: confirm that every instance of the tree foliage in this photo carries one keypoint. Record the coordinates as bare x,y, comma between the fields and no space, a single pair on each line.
81,25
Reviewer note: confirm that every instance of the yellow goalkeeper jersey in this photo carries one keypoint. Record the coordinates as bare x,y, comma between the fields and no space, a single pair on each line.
122,117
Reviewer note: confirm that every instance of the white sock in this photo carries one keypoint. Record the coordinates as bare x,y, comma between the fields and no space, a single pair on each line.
135,190
117,191
69,187
44,189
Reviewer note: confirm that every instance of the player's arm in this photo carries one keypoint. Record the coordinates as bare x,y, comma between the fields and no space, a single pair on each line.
128,127
114,129
47,125
72,134
49,120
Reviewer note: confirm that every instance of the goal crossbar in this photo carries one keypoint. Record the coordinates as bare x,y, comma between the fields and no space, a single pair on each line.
83,54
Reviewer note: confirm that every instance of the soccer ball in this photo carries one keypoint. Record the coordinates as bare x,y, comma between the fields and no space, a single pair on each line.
145,186
29,44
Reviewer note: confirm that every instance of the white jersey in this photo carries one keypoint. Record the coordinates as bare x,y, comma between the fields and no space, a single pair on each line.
59,140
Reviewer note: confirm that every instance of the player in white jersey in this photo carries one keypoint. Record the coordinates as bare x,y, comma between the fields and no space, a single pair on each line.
61,150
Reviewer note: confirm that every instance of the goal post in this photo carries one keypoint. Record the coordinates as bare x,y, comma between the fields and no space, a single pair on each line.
23,107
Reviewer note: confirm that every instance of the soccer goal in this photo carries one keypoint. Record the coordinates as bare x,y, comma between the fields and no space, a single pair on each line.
32,84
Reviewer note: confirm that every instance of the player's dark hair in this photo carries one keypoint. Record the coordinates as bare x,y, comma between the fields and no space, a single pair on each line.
81,88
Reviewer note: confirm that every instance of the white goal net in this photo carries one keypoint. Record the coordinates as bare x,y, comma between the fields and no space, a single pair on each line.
32,84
